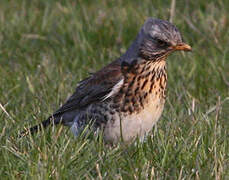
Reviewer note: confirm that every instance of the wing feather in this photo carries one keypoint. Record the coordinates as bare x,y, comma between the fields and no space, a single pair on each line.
93,88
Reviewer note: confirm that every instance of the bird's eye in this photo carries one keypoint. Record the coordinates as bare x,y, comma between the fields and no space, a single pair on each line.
161,42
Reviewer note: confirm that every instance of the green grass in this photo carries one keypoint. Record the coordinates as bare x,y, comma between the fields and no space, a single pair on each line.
47,46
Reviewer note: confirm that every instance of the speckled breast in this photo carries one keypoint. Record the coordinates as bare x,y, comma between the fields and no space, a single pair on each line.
139,103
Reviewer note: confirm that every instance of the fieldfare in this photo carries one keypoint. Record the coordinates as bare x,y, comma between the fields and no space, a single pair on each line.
125,98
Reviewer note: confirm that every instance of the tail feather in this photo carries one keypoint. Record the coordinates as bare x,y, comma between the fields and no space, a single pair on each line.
44,124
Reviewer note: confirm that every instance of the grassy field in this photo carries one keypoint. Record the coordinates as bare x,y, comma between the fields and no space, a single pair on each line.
47,46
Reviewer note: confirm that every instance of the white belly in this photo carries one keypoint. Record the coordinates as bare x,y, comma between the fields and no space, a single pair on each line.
131,126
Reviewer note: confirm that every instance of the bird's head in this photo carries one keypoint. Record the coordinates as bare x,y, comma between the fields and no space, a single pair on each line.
158,38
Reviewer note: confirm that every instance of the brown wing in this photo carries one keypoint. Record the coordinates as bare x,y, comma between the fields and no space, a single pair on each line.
90,90
93,88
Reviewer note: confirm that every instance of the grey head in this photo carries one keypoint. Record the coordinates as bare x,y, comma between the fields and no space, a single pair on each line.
157,38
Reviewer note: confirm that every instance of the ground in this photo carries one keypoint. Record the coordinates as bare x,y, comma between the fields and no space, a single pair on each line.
47,46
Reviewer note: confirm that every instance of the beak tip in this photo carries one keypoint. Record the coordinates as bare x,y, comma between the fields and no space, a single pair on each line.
187,47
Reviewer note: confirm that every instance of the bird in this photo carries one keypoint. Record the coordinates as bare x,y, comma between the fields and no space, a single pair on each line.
126,98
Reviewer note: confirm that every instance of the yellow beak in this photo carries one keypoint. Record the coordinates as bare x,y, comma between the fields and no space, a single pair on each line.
182,47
